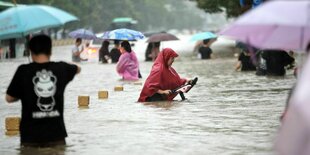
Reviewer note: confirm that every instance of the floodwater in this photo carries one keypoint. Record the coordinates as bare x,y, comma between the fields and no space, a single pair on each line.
227,112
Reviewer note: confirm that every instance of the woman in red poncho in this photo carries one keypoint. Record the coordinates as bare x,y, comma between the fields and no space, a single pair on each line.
162,79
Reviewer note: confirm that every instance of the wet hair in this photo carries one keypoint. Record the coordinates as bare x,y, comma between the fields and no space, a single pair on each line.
40,44
205,41
156,44
78,40
126,46
105,43
116,42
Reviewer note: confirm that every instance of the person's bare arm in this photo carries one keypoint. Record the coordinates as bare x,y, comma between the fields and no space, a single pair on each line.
238,66
10,99
166,92
78,69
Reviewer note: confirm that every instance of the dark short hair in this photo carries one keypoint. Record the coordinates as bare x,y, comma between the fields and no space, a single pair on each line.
126,46
116,42
105,43
156,44
205,41
41,44
78,40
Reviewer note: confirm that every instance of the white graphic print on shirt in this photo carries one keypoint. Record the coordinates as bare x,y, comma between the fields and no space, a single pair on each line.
45,88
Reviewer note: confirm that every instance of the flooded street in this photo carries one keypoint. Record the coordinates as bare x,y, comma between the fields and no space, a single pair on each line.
227,112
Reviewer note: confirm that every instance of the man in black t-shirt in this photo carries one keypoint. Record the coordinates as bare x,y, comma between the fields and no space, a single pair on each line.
205,51
40,86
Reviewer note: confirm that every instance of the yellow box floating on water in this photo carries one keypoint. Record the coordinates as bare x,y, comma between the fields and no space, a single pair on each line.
83,100
118,88
12,133
103,94
137,83
12,123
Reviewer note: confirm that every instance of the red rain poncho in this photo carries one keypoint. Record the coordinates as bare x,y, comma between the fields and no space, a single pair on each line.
162,76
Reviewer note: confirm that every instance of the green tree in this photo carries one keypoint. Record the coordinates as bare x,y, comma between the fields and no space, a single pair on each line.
150,14
232,8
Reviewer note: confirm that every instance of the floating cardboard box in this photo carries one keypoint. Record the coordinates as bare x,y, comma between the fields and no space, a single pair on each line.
103,94
137,83
12,133
12,123
118,88
83,100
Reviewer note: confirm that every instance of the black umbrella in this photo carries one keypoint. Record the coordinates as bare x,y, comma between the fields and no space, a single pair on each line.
162,37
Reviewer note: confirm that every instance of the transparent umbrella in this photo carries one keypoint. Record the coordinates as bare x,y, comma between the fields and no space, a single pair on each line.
123,34
83,34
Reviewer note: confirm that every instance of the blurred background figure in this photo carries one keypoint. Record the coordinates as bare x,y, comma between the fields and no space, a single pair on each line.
204,50
261,67
245,62
148,51
276,60
291,65
155,50
104,54
115,52
77,50
128,65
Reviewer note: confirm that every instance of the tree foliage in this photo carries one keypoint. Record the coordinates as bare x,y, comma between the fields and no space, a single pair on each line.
150,14
232,8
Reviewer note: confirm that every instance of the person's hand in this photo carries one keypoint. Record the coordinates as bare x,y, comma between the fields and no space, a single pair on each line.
106,57
84,59
189,82
167,92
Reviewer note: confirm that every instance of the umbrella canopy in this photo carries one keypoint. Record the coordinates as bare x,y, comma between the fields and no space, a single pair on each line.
83,33
274,25
123,34
21,20
203,36
162,37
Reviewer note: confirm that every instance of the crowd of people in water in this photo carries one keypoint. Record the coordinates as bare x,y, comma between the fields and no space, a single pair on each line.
43,81
264,61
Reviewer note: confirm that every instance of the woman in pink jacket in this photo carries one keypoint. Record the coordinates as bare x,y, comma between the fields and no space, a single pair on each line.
128,65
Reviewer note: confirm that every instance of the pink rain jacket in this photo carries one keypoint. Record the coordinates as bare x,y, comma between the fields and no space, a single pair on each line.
128,66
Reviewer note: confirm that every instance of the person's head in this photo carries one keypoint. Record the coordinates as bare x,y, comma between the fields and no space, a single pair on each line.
105,43
125,47
40,44
116,42
168,56
87,44
157,44
78,41
206,41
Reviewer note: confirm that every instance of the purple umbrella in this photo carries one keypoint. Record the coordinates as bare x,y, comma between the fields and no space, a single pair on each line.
274,25
83,34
